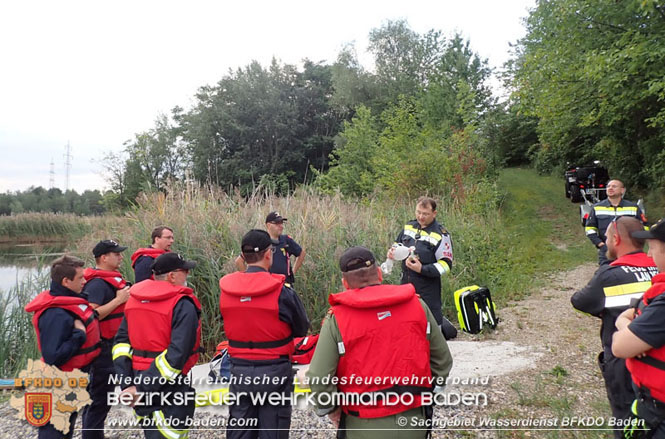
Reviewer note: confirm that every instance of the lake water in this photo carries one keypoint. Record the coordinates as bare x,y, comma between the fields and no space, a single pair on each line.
19,261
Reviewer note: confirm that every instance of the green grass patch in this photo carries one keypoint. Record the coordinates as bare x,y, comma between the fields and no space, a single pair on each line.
27,227
541,232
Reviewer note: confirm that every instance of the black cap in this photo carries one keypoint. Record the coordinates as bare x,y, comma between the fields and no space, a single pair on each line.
657,231
255,241
169,262
356,257
107,246
275,217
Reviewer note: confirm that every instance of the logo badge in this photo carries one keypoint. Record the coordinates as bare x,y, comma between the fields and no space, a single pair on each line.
246,299
383,315
38,408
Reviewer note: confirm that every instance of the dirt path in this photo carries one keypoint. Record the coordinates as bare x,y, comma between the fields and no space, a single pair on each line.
555,348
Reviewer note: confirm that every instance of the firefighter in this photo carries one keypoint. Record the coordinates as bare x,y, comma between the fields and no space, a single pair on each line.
66,326
640,338
607,295
605,211
433,258
378,334
107,292
285,246
143,258
261,316
156,346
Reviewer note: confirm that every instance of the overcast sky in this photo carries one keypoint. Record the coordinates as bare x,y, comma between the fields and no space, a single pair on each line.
95,73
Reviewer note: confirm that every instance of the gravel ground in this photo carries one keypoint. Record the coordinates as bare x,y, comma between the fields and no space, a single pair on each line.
541,364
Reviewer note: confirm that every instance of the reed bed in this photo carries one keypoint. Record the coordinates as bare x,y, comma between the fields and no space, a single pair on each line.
505,242
48,226
17,335
208,225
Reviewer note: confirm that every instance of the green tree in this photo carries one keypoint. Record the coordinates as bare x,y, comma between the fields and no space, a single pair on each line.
404,60
351,164
257,122
591,72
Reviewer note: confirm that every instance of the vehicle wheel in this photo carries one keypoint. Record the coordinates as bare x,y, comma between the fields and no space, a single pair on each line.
567,190
575,194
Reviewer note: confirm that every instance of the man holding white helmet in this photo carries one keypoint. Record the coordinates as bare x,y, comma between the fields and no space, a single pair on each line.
432,257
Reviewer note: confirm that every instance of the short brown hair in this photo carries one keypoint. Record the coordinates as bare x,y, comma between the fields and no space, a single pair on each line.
65,267
427,201
157,232
362,277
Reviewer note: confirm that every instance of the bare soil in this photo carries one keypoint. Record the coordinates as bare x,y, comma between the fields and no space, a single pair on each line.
559,379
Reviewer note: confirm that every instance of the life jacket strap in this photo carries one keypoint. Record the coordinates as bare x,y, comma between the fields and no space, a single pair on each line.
651,361
117,315
90,319
88,349
155,354
146,354
260,344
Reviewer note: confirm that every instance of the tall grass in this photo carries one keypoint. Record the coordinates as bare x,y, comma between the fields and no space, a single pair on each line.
208,226
505,242
48,226
17,335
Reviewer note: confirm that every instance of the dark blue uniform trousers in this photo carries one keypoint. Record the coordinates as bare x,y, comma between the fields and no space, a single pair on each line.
274,421
49,432
94,415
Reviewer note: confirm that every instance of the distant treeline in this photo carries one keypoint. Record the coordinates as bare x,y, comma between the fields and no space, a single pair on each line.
38,199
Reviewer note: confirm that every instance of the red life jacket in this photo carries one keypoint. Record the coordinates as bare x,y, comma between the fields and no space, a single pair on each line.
384,330
649,371
108,325
147,251
249,303
149,314
84,312
304,348
639,259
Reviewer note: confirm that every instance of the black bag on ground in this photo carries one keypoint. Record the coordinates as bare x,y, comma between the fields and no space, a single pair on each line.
475,309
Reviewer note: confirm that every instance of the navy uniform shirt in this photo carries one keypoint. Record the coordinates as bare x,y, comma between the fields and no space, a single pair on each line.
142,268
98,291
648,327
281,263
58,337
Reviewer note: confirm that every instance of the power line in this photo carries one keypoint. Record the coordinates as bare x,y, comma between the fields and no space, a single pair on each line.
51,181
68,164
